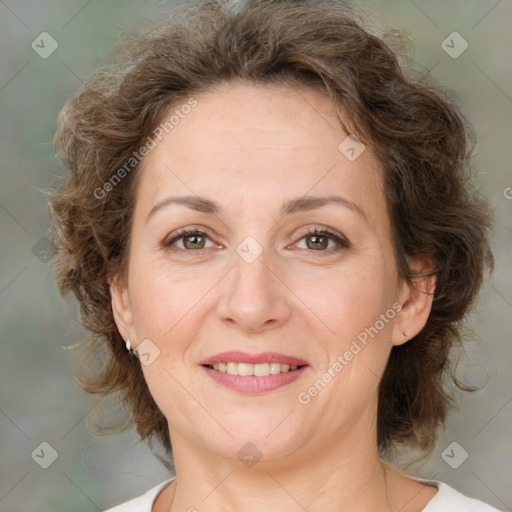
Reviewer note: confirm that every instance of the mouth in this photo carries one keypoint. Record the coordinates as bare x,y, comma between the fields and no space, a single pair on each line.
254,373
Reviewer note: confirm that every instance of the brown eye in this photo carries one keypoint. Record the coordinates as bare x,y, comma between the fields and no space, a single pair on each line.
317,240
191,240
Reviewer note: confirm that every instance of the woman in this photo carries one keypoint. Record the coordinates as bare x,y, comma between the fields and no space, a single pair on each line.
273,240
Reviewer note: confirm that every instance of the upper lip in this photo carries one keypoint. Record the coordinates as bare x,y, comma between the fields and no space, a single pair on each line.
244,357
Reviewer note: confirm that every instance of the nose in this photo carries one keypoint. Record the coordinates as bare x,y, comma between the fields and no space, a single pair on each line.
254,296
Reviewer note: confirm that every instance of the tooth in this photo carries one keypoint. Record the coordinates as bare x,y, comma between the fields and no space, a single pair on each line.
275,368
248,369
232,368
245,369
262,370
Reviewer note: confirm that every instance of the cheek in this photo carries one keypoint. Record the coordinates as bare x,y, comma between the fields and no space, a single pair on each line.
163,294
355,356
348,301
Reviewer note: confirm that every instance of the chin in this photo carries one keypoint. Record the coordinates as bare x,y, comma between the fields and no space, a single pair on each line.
269,438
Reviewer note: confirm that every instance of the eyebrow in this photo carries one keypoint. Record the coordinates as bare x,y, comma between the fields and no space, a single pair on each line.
301,204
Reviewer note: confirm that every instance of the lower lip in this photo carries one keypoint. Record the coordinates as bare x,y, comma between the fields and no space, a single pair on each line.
251,384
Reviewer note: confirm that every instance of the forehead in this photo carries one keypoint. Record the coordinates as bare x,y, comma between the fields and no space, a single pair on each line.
243,141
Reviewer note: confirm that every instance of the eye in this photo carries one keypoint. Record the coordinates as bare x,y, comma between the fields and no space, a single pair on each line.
317,240
192,240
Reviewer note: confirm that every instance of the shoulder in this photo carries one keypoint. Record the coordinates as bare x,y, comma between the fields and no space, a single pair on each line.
448,499
142,503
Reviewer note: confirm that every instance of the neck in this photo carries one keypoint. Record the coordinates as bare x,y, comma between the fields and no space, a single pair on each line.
344,477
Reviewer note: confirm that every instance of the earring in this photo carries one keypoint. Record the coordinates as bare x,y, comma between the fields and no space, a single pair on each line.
130,350
404,333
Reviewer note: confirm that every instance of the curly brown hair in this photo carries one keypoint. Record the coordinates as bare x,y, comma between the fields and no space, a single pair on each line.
417,133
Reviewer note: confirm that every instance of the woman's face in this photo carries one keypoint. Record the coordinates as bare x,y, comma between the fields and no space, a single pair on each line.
254,280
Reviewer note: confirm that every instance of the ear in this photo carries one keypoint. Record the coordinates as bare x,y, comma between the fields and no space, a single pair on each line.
416,298
122,311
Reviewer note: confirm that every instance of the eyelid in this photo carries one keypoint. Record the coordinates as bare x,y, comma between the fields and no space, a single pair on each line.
181,233
341,240
323,230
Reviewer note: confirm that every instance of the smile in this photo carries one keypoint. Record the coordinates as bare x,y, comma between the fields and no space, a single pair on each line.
254,373
248,369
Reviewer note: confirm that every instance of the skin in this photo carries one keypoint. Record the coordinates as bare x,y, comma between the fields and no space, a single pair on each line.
251,148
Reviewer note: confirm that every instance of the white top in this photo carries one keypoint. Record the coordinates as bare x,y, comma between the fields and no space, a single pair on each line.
447,499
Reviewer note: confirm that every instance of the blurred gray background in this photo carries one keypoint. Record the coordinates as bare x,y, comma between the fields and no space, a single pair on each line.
40,403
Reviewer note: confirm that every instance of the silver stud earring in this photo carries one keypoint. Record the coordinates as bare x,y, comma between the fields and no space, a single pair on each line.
130,350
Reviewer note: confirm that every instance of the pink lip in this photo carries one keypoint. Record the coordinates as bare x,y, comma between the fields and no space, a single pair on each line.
254,384
244,357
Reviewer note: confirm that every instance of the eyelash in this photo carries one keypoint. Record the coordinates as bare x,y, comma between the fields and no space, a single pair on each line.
342,242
